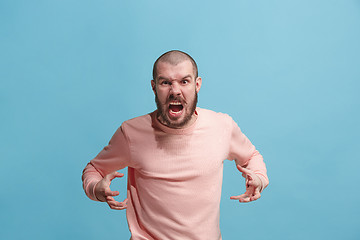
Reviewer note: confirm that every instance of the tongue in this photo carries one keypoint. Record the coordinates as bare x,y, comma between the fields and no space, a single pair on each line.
176,108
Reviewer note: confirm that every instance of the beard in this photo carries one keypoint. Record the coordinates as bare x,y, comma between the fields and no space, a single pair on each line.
166,120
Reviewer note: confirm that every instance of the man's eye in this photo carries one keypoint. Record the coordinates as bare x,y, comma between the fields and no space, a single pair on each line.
165,83
185,82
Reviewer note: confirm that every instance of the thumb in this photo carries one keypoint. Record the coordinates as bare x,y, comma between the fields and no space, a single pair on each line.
245,170
242,169
108,192
113,175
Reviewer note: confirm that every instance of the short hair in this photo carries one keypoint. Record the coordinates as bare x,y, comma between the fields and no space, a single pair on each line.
174,57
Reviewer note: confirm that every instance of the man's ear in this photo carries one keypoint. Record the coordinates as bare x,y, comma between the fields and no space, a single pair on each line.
153,86
198,83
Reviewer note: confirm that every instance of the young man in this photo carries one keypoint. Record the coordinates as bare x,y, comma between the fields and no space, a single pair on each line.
175,160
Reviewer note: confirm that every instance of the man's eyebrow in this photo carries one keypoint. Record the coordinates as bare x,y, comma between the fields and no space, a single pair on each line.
162,78
187,76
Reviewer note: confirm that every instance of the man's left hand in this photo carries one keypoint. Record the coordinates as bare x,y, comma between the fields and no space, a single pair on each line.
253,186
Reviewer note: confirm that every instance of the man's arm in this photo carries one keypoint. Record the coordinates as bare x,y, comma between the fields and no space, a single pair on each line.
100,171
250,162
253,186
104,194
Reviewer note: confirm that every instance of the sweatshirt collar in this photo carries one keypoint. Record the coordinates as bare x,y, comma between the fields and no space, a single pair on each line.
179,131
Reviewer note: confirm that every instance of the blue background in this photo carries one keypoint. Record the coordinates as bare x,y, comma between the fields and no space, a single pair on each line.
287,71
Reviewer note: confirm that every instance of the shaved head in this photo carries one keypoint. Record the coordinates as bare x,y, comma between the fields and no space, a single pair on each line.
174,57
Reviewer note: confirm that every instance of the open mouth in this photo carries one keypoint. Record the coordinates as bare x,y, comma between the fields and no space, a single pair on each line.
175,108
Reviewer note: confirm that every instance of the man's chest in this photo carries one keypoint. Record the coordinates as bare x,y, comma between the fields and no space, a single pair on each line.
161,155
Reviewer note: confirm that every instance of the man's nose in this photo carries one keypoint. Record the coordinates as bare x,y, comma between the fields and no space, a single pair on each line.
175,89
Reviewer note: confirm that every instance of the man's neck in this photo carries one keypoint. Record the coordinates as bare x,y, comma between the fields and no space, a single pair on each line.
190,122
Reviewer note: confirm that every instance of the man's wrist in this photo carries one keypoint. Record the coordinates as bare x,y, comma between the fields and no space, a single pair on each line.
261,182
94,193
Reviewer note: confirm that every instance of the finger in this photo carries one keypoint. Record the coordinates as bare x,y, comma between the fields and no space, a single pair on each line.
117,204
118,175
235,197
245,195
108,192
248,174
244,170
111,199
249,196
116,207
244,198
255,197
113,175
253,183
113,204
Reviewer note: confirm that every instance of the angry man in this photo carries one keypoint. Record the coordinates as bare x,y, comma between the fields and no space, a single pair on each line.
175,157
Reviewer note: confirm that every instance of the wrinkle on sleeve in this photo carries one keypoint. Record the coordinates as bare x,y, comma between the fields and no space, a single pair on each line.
115,156
245,154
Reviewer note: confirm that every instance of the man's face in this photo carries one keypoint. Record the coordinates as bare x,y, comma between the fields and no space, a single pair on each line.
176,89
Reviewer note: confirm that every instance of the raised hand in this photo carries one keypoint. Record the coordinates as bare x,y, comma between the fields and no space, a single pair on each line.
253,186
104,194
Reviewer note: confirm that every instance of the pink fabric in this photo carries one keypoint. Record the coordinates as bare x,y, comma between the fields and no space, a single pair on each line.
174,175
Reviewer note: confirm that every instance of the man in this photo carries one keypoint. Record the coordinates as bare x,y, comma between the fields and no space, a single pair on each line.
175,160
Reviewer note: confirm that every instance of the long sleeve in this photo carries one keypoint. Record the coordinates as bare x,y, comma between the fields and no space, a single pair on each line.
167,167
115,156
245,154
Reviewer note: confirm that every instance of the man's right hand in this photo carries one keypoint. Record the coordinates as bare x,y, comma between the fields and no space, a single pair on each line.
104,194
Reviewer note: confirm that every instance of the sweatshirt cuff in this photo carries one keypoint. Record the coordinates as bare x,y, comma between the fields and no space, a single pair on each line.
90,190
264,181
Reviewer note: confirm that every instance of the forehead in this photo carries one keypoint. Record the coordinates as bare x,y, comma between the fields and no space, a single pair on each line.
178,71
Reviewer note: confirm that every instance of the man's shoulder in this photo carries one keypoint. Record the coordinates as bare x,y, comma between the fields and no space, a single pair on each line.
212,113
213,116
138,122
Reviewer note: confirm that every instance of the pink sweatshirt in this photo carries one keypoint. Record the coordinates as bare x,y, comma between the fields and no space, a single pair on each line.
174,175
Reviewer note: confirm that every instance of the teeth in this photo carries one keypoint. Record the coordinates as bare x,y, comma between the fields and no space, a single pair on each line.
175,103
174,112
